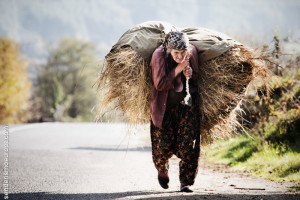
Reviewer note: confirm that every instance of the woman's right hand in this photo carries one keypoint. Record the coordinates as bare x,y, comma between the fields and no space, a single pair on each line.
183,64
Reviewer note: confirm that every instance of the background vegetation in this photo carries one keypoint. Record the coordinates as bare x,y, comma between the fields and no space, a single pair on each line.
61,91
64,84
272,147
14,84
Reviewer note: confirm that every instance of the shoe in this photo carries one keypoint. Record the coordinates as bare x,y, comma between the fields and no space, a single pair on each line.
185,188
163,181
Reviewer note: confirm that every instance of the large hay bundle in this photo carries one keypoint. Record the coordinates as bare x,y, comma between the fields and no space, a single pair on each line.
125,76
224,76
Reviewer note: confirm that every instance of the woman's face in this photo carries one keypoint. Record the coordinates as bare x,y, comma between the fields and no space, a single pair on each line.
178,55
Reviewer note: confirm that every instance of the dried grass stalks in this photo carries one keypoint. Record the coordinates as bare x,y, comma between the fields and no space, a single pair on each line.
126,84
222,85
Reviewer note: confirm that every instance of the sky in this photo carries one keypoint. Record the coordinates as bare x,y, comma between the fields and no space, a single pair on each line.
37,24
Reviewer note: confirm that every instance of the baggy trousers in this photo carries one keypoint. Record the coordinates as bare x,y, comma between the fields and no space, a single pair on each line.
179,136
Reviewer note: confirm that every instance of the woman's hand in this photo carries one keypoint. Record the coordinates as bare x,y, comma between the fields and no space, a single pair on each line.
184,63
188,72
184,67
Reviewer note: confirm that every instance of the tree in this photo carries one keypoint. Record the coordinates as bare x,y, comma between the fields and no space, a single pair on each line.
14,84
65,82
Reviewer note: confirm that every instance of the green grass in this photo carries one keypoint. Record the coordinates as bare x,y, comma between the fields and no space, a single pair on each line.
280,162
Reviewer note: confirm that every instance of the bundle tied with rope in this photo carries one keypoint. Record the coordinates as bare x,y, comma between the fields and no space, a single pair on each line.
226,68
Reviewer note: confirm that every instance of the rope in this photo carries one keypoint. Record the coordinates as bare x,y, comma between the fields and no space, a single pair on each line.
187,88
188,95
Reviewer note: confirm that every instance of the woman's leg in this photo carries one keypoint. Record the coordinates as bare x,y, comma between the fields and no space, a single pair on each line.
188,143
160,149
162,143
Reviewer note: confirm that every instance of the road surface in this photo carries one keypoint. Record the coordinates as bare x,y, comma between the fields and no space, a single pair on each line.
84,161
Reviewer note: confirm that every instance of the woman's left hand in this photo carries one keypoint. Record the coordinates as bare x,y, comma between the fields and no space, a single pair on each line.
188,72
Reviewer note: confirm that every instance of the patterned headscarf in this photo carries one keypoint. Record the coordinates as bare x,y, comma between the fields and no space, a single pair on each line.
176,40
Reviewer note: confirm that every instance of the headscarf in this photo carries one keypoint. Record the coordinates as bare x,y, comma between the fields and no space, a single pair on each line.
176,40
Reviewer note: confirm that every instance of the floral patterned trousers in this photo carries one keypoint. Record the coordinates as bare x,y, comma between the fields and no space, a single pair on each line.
179,136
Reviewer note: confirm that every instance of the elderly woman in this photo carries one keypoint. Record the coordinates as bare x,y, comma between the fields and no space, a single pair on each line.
175,126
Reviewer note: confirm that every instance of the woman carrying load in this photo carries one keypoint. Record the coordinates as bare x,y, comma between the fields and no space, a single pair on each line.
175,126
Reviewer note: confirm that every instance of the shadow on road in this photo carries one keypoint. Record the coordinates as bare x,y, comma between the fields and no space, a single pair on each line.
112,148
87,196
136,194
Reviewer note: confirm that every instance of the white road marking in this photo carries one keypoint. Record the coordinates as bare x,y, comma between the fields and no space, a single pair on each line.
27,126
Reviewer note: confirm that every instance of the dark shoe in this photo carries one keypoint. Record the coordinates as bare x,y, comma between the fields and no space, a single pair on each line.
185,188
163,181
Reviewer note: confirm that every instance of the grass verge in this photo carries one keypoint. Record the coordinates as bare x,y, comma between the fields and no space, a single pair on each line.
273,162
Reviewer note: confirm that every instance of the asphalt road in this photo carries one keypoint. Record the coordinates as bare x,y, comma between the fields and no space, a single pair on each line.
110,161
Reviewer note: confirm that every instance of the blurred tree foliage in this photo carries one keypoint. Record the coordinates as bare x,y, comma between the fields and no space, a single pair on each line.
65,82
14,84
276,118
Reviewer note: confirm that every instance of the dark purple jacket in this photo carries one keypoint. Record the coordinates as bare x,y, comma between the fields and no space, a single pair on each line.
163,82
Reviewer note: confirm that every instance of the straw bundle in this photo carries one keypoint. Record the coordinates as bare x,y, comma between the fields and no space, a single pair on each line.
222,85
128,85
